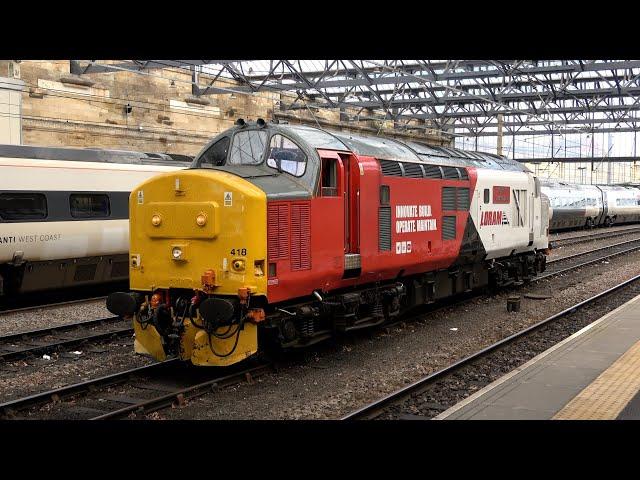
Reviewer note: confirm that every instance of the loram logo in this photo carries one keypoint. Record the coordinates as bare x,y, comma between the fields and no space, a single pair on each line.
494,218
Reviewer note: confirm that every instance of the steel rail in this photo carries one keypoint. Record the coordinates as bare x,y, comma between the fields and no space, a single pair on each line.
584,264
7,409
19,345
595,250
376,407
183,394
50,305
593,236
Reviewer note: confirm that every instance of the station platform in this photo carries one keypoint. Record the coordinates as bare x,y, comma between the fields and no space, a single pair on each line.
592,375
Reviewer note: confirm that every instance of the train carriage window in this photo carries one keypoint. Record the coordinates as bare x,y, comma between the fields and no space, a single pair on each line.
216,154
286,156
86,205
23,206
329,177
247,147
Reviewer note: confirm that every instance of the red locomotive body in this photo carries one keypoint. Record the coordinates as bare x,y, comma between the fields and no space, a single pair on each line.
357,230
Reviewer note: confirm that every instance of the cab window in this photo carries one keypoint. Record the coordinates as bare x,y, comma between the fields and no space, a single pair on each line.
247,147
329,177
216,154
286,156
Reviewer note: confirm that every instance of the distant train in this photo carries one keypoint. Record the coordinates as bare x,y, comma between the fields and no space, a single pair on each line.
64,214
577,206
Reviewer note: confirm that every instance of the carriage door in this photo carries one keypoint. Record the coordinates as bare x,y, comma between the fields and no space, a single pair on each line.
351,198
532,216
605,207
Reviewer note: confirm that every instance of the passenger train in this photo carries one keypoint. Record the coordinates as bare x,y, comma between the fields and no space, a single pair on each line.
576,206
292,234
64,214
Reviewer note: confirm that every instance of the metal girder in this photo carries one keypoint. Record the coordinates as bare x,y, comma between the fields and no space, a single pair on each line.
549,132
78,68
578,159
504,98
526,111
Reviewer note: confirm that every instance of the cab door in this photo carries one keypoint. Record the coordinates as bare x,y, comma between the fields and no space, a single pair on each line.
351,198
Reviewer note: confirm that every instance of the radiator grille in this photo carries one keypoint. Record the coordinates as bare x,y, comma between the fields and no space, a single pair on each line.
450,173
448,228
432,171
384,228
463,199
278,231
300,236
390,168
448,198
412,170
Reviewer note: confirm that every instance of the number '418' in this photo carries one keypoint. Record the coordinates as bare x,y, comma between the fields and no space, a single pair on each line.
239,251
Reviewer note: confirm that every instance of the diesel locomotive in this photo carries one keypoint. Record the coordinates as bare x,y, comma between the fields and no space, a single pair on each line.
293,234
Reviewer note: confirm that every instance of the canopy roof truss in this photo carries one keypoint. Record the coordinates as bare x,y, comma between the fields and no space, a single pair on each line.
462,97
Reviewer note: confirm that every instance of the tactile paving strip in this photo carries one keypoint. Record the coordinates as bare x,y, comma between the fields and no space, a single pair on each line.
608,394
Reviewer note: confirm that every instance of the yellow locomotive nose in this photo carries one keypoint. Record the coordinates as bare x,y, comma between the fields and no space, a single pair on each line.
193,233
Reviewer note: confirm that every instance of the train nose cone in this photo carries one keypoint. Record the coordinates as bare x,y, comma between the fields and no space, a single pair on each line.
122,304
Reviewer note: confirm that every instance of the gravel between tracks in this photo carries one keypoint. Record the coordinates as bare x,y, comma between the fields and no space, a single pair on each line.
52,316
331,381
565,251
25,377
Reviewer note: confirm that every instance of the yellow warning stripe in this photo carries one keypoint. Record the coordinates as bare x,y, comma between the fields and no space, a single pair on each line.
608,394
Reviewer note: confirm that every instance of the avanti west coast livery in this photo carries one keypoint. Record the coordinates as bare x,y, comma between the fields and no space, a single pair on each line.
293,234
64,214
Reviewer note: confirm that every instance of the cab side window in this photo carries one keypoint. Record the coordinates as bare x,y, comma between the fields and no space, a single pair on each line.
329,177
286,156
216,155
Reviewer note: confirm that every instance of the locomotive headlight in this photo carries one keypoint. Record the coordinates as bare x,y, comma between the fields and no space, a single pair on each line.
156,220
176,253
238,265
201,219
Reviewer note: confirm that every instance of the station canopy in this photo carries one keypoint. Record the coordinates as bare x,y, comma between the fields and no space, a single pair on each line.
457,97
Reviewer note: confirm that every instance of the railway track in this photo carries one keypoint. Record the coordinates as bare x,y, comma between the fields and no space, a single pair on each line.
571,262
23,344
575,239
165,390
434,385
136,391
49,305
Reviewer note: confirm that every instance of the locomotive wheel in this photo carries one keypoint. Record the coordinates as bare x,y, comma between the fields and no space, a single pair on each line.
607,222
